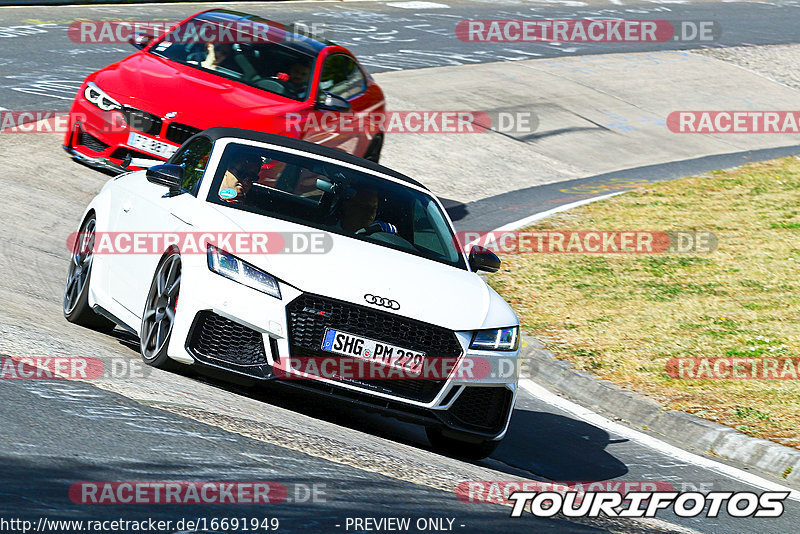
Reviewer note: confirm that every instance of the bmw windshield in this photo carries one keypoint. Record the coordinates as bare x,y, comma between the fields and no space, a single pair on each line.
336,199
250,51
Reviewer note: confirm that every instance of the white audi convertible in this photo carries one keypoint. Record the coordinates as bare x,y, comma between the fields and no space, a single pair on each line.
292,262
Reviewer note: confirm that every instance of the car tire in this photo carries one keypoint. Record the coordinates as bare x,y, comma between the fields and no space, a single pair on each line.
158,317
459,448
76,291
373,152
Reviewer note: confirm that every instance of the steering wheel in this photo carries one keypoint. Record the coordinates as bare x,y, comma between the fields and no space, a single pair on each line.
380,226
196,52
271,85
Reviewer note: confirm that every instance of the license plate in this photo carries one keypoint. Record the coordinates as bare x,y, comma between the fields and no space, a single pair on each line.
152,146
364,348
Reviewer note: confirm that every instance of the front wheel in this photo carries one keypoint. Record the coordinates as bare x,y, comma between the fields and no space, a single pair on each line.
76,292
373,152
159,312
459,448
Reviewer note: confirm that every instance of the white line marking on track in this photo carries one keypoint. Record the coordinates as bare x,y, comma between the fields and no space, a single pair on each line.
677,453
418,5
544,214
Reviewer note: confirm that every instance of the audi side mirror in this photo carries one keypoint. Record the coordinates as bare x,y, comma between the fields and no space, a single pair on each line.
483,259
332,102
168,175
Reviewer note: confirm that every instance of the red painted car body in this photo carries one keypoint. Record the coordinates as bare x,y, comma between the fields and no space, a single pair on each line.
148,104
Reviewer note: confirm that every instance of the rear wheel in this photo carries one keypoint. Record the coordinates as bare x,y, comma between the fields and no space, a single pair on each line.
460,448
76,292
159,312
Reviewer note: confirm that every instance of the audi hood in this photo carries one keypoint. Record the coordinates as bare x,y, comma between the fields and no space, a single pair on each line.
425,290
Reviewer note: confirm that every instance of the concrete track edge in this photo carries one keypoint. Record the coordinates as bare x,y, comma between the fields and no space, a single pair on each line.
679,428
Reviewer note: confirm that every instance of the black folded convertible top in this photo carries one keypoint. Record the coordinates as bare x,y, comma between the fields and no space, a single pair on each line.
251,135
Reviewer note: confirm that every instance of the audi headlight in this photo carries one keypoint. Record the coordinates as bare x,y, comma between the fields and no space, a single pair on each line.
242,272
496,339
100,98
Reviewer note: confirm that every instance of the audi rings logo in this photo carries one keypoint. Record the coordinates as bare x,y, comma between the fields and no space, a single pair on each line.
380,301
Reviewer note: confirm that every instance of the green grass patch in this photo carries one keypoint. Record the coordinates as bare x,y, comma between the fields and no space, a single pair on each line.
623,316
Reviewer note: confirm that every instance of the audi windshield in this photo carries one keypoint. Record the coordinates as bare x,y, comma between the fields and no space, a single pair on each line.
336,199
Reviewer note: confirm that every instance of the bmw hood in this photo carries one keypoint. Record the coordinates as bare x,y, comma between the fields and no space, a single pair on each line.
372,275
159,86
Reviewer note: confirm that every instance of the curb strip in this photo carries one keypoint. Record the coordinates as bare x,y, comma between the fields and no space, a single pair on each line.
686,430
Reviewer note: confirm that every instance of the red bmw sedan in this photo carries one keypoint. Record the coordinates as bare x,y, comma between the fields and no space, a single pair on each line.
224,68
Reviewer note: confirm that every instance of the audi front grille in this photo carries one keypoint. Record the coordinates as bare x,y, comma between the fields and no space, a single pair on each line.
307,329
220,342
483,409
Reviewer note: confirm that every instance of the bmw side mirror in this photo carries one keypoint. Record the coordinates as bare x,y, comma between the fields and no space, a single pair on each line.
168,175
332,102
483,259
141,40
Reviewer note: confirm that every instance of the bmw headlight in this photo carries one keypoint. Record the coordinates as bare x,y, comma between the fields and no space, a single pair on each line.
496,339
100,98
242,272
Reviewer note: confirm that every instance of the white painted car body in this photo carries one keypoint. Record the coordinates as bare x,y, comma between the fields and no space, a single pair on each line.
456,299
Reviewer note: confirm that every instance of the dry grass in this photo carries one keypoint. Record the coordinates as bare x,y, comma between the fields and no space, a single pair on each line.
623,316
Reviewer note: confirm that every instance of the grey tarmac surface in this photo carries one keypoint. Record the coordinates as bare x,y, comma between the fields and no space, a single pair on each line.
43,458
41,68
493,212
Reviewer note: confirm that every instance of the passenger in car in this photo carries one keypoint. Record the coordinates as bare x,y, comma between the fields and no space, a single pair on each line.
242,172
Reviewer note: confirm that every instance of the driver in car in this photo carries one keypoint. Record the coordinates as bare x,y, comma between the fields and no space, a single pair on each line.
299,73
242,172
218,54
358,214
